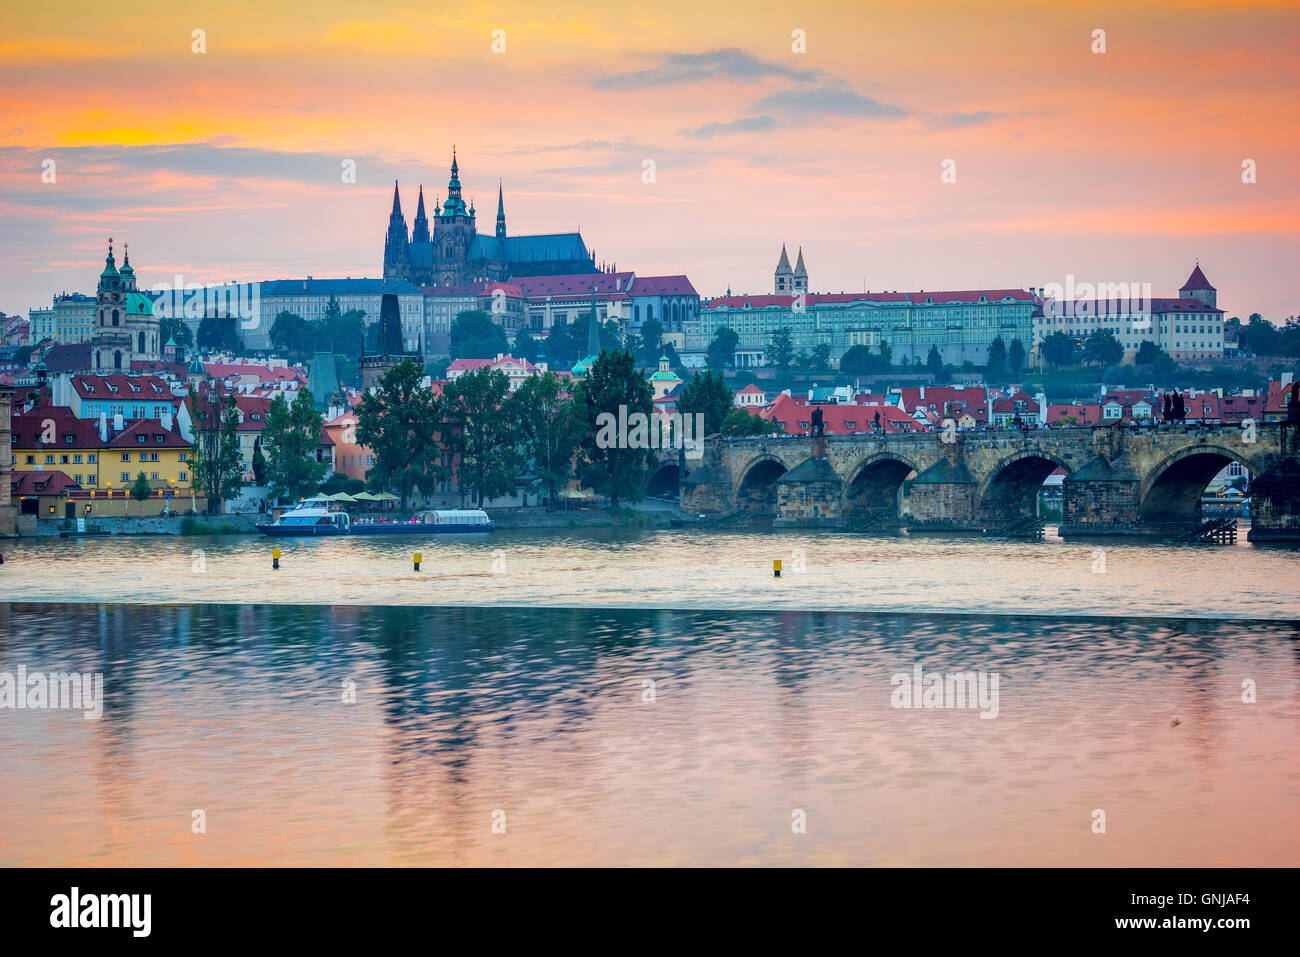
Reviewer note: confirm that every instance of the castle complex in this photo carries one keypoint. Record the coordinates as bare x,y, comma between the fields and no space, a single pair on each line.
452,252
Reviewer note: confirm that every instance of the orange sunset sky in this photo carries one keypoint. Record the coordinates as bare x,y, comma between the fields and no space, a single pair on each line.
225,165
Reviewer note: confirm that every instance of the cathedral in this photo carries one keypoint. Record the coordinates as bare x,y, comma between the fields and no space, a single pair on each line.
126,329
452,252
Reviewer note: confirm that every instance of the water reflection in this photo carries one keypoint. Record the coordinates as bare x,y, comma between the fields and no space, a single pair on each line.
543,714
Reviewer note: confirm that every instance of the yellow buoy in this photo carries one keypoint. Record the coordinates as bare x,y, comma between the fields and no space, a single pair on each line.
418,556
275,558
776,568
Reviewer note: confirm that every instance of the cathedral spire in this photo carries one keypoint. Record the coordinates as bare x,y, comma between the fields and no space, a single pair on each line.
397,201
501,213
420,228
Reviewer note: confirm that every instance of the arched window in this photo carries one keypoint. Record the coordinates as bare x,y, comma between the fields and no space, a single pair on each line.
96,360
117,359
115,322
140,340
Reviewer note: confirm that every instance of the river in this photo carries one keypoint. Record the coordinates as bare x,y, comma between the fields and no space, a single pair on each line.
652,697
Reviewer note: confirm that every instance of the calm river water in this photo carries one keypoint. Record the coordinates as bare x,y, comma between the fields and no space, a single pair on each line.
682,707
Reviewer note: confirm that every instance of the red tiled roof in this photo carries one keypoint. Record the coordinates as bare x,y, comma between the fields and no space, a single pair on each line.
941,298
1088,413
129,437
1197,282
41,483
838,419
102,386
662,286
29,427
575,286
972,400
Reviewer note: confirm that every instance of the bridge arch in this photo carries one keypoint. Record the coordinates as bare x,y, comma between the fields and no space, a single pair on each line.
1171,491
1008,492
666,479
873,493
756,491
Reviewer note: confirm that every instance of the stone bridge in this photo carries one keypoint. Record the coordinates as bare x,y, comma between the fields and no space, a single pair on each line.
1143,480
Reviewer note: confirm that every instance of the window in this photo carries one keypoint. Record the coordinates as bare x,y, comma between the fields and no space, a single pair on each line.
31,460
90,480
126,477
49,460
126,456
182,476
92,459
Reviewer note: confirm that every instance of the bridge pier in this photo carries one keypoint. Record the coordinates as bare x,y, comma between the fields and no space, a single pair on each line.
1275,504
811,494
1102,498
943,498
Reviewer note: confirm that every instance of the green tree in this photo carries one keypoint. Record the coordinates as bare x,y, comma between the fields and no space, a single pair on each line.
997,363
550,426
780,351
174,328
218,333
885,355
934,362
216,461
526,347
1015,356
290,438
821,357
480,434
1148,352
721,353
708,394
740,422
616,469
1058,349
1102,349
561,348
475,336
650,343
291,334
259,463
858,360
140,489
399,422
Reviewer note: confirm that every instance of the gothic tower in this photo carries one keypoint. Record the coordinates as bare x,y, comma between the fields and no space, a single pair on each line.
784,275
420,228
1198,287
800,275
396,258
453,233
501,215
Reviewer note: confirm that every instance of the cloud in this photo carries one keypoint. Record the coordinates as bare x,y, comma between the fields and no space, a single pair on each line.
725,64
829,100
959,120
746,124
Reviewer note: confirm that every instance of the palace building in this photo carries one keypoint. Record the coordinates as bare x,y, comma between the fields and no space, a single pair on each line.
450,251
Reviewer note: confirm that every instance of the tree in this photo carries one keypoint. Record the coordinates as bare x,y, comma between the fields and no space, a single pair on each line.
613,387
780,351
741,422
337,331
290,334
997,363
708,394
885,355
858,360
290,437
217,463
526,347
218,333
561,348
1058,349
1148,352
140,489
1260,337
480,433
649,343
1101,348
550,425
934,363
721,353
1015,356
399,422
821,357
475,336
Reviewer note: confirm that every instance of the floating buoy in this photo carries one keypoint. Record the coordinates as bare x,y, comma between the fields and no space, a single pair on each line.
275,558
416,559
776,568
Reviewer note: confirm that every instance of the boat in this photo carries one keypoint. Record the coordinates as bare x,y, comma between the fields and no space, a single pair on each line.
315,517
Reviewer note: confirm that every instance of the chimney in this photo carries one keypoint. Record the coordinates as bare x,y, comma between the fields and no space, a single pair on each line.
166,420
103,426
118,425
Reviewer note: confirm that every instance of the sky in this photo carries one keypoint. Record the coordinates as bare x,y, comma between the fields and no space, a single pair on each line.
227,165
